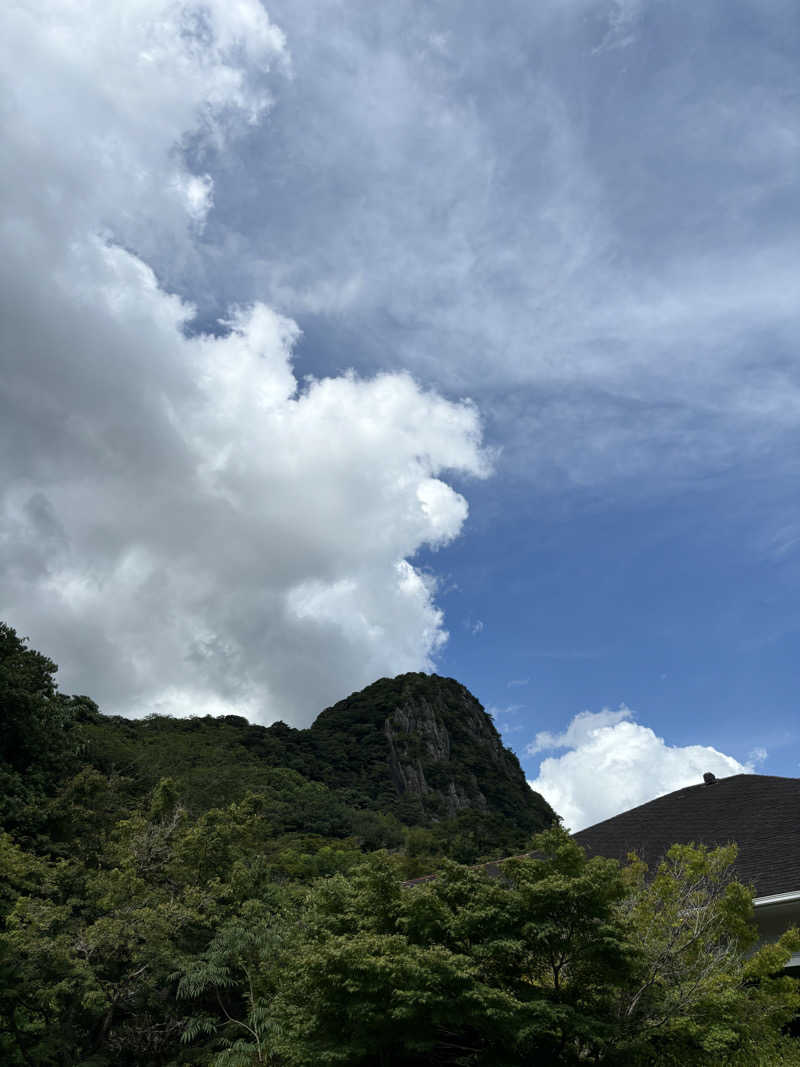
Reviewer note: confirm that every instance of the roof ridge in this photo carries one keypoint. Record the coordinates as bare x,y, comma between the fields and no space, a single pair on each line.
757,811
686,788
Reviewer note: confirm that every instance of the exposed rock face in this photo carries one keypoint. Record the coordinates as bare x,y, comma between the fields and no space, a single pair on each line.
430,742
418,737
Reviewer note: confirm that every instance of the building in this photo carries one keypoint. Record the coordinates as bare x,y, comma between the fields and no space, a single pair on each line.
760,812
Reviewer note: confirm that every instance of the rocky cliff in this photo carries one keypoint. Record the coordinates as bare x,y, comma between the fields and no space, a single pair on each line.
426,743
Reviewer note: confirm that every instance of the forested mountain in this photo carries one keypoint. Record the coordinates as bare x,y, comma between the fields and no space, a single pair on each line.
413,764
442,751
206,891
414,751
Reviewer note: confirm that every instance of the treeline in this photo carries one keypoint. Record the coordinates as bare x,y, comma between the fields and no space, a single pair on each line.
235,913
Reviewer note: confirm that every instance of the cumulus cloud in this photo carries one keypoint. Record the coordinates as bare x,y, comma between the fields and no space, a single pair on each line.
184,525
614,763
579,730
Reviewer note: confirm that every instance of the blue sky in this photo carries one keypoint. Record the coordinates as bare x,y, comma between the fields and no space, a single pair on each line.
343,339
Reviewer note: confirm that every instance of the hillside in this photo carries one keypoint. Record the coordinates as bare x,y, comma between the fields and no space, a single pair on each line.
414,758
417,749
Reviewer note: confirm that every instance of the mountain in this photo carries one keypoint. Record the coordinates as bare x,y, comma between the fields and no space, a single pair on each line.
413,755
425,745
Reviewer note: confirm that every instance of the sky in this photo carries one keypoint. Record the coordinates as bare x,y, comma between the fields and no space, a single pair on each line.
344,339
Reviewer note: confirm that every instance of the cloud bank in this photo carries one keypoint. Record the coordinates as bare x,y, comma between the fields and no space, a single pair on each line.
578,213
613,763
184,525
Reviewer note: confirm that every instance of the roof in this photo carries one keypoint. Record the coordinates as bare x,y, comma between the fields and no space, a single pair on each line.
760,812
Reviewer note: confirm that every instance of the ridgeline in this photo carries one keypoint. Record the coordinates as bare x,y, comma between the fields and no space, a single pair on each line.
413,764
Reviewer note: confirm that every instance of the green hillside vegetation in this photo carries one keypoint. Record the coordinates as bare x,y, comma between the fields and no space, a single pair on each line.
205,891
333,780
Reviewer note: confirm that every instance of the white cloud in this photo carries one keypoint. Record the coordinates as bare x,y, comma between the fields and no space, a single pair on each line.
444,509
613,764
99,98
182,526
579,731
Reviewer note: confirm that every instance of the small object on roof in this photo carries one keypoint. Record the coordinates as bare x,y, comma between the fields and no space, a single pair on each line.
709,778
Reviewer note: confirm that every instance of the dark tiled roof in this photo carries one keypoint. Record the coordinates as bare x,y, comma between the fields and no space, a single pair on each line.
760,812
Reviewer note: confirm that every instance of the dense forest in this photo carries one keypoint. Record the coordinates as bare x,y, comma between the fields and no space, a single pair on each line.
208,891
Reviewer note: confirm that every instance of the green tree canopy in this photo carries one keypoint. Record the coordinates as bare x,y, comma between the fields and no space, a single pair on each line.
560,959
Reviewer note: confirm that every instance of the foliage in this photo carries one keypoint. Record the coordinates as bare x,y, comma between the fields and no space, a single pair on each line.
35,719
345,755
560,959
205,892
700,997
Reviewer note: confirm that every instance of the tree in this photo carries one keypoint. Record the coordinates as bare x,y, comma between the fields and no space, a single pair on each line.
560,959
36,752
700,995
237,977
